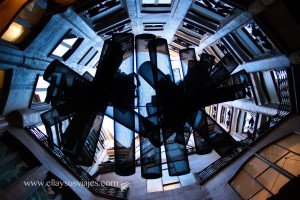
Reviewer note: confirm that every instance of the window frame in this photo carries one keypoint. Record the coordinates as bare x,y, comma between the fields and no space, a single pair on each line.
33,92
71,50
271,165
157,7
244,121
223,121
214,111
88,56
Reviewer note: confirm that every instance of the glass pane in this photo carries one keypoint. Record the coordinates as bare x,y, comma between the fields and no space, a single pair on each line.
249,122
40,96
262,195
166,179
60,50
245,185
15,33
40,92
272,180
172,186
42,83
255,166
42,128
292,143
70,41
154,185
164,1
148,1
273,153
290,163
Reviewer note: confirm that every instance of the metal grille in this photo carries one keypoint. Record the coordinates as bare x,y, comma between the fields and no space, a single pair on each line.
97,188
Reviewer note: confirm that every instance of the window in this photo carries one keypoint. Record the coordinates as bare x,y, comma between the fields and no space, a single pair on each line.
157,2
25,23
154,6
249,122
40,92
254,41
225,118
214,111
66,46
269,169
154,26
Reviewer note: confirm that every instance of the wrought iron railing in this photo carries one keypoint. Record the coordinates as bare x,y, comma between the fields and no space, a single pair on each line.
95,186
282,87
221,163
283,112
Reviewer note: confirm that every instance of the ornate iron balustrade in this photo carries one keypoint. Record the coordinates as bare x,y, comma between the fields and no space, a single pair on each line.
282,88
97,187
221,163
283,113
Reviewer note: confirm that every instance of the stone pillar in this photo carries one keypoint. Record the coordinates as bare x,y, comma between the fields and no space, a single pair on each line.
248,105
26,117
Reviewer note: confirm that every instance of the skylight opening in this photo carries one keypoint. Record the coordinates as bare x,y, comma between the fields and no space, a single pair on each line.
40,92
157,2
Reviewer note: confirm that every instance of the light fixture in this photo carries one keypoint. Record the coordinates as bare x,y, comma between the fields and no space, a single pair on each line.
168,111
13,33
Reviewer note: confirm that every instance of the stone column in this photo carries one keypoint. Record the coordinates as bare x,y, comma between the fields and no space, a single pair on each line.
25,117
